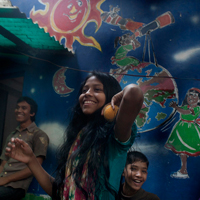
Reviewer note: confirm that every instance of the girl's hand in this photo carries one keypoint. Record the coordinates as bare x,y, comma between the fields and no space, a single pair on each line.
173,104
116,99
19,150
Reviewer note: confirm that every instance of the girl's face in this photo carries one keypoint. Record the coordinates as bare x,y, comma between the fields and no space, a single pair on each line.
192,98
92,97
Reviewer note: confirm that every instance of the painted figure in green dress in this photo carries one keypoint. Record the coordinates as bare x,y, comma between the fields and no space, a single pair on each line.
184,139
127,43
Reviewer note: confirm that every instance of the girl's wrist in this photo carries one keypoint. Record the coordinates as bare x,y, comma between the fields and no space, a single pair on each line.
32,160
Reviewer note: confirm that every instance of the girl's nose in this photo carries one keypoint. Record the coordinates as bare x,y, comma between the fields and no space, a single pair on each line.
89,92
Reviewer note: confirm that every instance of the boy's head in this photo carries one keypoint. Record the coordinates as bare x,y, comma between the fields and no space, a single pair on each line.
133,156
135,172
30,107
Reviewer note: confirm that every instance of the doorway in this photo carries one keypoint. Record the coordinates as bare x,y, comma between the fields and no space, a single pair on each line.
11,90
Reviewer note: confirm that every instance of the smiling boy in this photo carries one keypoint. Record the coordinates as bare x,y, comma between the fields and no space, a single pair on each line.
135,174
15,177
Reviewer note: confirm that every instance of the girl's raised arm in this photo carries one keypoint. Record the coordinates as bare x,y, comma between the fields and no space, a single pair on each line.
173,104
130,101
21,151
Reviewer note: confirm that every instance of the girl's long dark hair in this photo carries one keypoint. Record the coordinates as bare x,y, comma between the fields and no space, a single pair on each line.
94,140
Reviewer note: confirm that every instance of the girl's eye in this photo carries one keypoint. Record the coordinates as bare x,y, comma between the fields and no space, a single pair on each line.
80,3
84,91
69,6
98,89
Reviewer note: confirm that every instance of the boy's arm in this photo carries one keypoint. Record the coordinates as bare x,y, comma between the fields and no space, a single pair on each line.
22,174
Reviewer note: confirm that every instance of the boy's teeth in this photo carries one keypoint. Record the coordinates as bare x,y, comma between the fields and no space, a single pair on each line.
137,181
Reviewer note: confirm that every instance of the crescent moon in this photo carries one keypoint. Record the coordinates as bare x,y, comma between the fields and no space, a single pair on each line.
59,84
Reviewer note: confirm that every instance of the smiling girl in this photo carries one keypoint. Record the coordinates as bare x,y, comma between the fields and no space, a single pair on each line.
93,155
184,139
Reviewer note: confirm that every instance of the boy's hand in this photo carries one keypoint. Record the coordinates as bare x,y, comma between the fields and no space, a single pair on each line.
3,181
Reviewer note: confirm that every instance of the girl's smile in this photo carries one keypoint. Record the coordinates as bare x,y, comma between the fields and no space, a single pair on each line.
92,97
192,98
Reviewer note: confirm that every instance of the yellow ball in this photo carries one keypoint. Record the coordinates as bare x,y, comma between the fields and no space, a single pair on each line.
109,113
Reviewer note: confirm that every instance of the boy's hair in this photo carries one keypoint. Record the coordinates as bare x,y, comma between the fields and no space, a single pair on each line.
32,104
134,156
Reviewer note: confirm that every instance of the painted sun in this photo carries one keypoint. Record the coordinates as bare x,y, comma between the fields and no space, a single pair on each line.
67,19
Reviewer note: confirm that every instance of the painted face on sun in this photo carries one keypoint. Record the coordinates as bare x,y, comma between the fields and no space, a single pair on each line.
192,98
135,175
22,112
92,97
70,14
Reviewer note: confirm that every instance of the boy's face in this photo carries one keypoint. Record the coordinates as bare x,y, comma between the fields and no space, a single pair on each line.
135,175
22,112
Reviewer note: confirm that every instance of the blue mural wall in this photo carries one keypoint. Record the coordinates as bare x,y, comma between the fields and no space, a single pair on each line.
151,43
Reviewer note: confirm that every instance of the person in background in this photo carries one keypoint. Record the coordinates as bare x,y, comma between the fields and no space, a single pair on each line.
15,176
135,174
93,154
